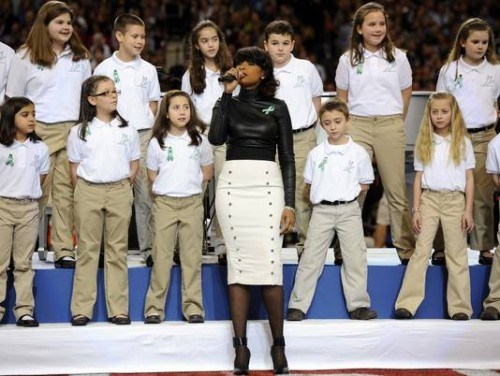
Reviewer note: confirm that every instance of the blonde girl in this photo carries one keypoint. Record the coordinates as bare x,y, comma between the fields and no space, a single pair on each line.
49,69
375,78
179,161
104,154
209,59
472,75
442,195
24,164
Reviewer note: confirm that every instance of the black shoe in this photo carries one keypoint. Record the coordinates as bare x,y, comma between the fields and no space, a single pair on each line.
196,319
403,314
280,364
176,258
149,261
460,317
66,262
27,321
242,356
295,314
79,320
438,258
222,259
483,260
363,313
152,319
338,261
490,314
120,320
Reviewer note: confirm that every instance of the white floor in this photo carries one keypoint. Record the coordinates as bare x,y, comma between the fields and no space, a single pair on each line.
311,345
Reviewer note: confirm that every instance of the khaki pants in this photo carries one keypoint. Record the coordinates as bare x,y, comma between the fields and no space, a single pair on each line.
102,211
384,139
345,220
481,237
57,186
493,298
18,232
182,216
143,197
303,143
446,208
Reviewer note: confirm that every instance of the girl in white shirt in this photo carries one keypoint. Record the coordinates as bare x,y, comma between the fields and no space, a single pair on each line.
104,155
179,161
442,195
374,78
472,75
24,164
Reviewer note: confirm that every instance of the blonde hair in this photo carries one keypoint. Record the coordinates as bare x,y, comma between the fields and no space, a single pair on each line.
424,145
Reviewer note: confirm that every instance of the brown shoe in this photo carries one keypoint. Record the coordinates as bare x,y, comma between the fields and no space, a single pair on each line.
363,313
490,314
295,314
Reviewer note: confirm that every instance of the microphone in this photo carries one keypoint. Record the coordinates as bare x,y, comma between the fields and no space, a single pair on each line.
227,78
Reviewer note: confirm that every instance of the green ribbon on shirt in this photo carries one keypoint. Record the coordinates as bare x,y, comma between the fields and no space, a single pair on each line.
170,154
10,160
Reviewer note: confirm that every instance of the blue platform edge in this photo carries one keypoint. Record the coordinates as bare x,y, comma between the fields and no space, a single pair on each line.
53,287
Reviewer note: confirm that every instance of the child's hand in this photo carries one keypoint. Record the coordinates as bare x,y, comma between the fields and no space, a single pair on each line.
467,221
287,220
416,222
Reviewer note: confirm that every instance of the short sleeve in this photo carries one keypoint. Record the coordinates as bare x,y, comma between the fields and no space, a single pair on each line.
342,73
365,169
73,140
16,82
45,160
404,71
417,164
206,153
135,145
154,87
309,168
315,81
186,85
493,156
470,160
152,160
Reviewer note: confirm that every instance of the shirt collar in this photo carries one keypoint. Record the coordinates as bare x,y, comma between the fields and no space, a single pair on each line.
133,64
184,136
288,67
99,123
338,149
469,68
27,144
437,139
379,53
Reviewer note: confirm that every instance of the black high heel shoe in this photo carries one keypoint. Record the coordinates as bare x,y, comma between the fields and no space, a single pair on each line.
280,364
242,356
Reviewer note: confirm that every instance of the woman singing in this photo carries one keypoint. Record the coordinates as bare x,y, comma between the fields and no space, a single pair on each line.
254,201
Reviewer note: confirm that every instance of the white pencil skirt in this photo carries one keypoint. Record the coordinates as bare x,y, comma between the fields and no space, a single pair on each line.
249,202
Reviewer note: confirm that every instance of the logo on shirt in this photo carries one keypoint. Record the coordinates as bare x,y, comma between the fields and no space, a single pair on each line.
323,163
349,167
359,68
195,154
143,83
170,154
10,160
268,110
300,81
391,67
489,81
116,77
2,57
75,67
459,82
125,140
36,160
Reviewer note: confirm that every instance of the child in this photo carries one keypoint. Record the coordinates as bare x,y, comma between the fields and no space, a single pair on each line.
137,82
492,302
472,75
301,88
24,164
337,171
49,69
104,155
374,79
180,160
442,193
209,59
6,56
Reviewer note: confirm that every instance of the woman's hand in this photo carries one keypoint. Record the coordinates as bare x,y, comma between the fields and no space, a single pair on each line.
230,86
287,222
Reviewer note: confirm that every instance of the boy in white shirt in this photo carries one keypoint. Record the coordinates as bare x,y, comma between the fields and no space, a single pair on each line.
6,55
137,82
336,172
301,88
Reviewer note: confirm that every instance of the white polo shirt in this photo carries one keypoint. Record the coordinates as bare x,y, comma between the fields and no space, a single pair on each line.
442,174
493,156
299,84
204,102
336,171
374,86
21,165
106,155
138,84
6,56
178,165
55,91
476,90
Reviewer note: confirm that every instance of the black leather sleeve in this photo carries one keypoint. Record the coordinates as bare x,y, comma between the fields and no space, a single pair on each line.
217,135
285,153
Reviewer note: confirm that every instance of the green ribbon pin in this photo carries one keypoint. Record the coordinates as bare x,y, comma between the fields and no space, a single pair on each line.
170,154
321,166
116,77
359,68
10,160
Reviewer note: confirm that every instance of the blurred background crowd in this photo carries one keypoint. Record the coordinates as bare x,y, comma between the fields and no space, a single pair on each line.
425,28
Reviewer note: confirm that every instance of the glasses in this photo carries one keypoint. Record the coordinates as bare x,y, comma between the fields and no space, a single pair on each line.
107,93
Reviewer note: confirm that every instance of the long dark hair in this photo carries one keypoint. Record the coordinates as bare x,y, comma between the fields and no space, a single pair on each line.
255,55
196,66
87,110
162,123
8,113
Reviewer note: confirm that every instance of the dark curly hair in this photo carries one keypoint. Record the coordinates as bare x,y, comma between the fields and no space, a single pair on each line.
256,55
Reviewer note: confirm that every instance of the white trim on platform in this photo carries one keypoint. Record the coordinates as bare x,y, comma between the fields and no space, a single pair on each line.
311,345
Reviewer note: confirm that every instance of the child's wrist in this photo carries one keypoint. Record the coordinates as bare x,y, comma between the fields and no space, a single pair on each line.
415,210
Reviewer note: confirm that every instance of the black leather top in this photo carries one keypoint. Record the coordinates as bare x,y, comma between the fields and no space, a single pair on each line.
252,127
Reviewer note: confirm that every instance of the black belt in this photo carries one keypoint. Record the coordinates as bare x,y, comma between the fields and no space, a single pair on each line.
326,202
482,129
295,131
